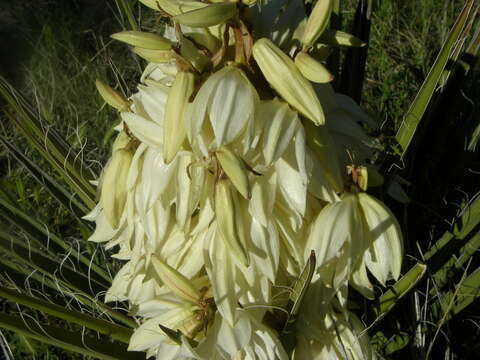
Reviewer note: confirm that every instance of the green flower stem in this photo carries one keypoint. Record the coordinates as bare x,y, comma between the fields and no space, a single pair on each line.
117,332
72,341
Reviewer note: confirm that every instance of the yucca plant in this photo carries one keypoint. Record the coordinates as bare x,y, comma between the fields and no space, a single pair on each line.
242,194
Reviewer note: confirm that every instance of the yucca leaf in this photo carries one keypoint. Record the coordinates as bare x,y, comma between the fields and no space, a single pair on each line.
59,193
27,344
469,219
469,291
49,144
126,10
455,263
444,308
390,298
71,341
287,336
300,288
23,274
34,258
117,332
418,107
46,239
76,284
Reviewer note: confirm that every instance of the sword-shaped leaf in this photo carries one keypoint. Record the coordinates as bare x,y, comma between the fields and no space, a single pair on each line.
389,299
117,332
418,107
103,349
288,336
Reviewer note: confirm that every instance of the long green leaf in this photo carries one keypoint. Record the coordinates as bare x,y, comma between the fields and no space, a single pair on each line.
72,341
456,300
62,195
390,298
34,258
22,275
126,10
287,336
469,219
49,144
117,332
77,284
47,239
455,263
417,109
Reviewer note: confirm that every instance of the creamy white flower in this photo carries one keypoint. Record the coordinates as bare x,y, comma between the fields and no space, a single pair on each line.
214,229
223,108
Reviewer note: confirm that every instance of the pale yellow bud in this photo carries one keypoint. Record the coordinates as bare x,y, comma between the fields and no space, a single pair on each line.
317,22
143,39
173,7
175,281
340,38
121,141
174,132
359,176
229,220
155,56
284,76
114,187
210,15
111,96
363,178
236,171
312,69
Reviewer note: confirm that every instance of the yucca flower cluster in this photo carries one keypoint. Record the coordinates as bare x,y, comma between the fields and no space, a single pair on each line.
230,177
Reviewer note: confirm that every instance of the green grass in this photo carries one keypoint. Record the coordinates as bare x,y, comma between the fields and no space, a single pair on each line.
405,37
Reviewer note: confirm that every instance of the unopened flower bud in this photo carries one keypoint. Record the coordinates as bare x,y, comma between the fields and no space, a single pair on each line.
229,220
312,69
210,15
114,188
174,132
111,96
155,56
173,7
175,281
284,76
317,22
143,39
340,38
236,171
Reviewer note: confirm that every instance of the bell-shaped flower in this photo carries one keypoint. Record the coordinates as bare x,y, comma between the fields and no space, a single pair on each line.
385,253
222,110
